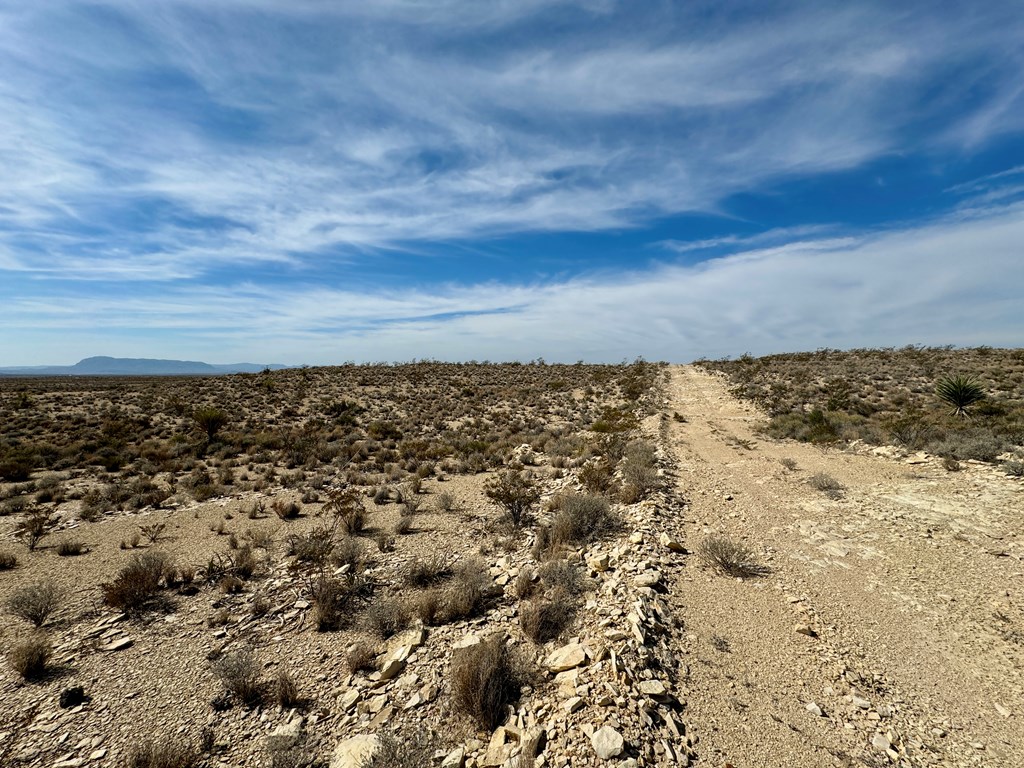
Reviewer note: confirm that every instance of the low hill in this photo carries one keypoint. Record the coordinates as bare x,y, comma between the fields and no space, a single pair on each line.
137,366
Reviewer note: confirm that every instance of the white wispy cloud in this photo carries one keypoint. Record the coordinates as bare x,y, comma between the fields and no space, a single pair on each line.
952,281
320,127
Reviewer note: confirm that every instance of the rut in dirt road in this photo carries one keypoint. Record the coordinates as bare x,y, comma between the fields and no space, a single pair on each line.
890,629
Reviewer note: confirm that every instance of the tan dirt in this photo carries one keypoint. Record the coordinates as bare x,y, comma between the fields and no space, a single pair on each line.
911,581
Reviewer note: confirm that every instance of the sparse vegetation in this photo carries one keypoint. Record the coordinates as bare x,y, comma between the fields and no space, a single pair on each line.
486,679
29,657
34,602
827,484
163,753
730,557
137,584
239,671
515,493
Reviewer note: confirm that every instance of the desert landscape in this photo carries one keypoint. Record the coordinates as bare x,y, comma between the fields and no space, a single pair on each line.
807,560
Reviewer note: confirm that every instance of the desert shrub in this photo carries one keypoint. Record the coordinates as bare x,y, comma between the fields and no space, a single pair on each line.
70,548
34,602
468,591
543,620
359,657
730,557
403,526
486,680
230,585
29,657
313,547
210,421
445,502
561,575
348,551
33,527
165,753
333,597
427,606
8,560
826,484
639,473
286,691
239,672
951,465
285,510
967,445
347,507
515,493
959,392
259,539
152,531
581,517
910,430
422,572
1014,468
597,476
413,748
385,618
789,463
135,585
525,584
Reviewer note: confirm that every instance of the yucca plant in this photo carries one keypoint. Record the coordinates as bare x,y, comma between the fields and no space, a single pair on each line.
959,392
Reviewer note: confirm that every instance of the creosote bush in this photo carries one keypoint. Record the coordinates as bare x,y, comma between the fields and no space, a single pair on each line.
730,557
34,602
515,493
486,679
29,657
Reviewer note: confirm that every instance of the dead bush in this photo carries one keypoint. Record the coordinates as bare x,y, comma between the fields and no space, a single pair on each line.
422,572
138,582
486,680
468,591
543,620
347,507
332,599
313,547
34,602
29,657
286,691
165,753
33,527
386,618
730,557
526,584
238,671
561,575
413,748
359,657
427,606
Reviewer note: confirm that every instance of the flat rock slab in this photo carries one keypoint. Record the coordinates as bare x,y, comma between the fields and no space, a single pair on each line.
354,751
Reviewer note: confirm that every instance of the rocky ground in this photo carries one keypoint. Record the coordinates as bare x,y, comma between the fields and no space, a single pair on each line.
885,628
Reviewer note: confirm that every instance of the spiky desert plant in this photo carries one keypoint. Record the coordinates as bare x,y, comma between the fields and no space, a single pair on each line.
959,392
210,420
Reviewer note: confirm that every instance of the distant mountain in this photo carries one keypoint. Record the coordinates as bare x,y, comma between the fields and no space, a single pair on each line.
137,366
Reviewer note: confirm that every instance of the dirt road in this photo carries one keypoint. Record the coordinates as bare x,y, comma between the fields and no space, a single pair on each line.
910,585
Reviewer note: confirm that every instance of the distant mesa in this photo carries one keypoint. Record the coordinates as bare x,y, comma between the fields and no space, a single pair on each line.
138,366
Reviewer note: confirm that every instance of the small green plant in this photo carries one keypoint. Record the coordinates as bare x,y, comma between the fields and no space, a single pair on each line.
960,393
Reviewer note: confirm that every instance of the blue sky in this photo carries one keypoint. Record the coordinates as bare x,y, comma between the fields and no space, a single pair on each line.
315,182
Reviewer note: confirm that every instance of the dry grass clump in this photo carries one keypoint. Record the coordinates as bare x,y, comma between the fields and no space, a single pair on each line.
424,572
386,618
409,749
639,472
581,517
313,547
333,599
827,485
71,548
467,593
165,753
561,575
486,679
8,560
542,619
29,657
239,672
360,657
34,602
286,690
135,585
730,557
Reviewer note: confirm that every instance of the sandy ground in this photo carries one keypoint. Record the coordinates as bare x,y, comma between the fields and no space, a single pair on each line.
910,583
